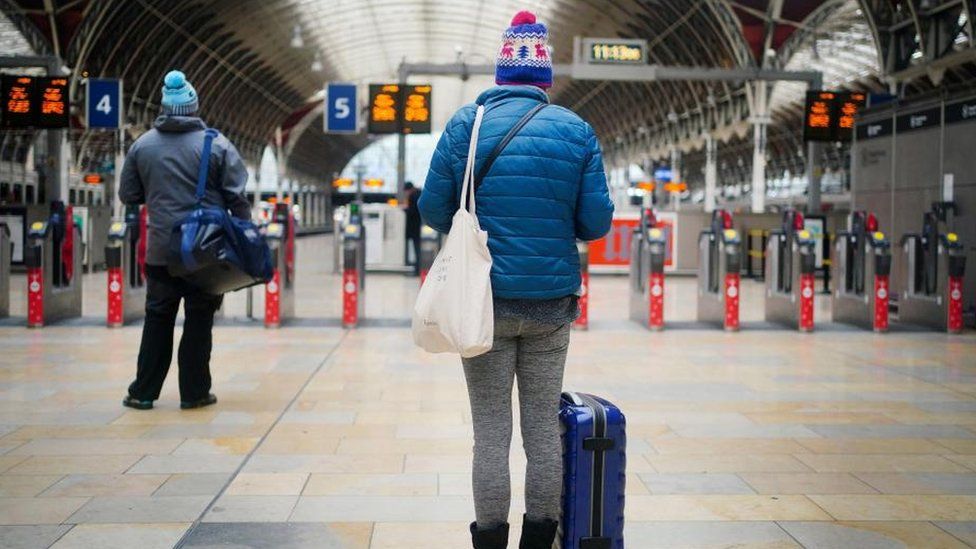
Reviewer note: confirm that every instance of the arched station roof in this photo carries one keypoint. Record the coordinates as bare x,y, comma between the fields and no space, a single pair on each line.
252,60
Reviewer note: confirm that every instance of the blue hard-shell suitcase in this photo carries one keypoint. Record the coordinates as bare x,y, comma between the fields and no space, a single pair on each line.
594,465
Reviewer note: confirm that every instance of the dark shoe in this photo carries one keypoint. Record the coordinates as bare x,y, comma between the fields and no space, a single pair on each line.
494,538
537,534
205,401
137,404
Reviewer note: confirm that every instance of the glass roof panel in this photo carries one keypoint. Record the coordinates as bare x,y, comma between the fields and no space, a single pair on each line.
842,48
365,41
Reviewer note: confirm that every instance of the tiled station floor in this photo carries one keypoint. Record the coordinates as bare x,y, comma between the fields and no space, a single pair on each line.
325,438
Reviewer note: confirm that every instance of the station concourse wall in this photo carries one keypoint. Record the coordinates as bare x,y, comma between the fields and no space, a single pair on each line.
898,172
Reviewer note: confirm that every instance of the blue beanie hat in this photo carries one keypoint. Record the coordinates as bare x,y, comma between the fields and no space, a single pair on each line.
179,97
524,56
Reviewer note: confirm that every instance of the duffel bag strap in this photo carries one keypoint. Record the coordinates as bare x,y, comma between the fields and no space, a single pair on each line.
208,137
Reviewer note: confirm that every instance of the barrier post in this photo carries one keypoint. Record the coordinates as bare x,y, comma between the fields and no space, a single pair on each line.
954,308
34,259
733,284
806,302
352,263
881,293
656,301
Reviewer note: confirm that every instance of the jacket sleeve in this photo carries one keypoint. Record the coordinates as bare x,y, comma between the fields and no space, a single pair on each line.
438,202
131,189
233,178
594,209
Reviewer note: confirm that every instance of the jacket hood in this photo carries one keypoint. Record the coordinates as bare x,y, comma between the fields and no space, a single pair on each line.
178,124
499,93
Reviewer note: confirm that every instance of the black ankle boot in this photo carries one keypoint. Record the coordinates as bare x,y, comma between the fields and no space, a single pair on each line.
495,538
537,534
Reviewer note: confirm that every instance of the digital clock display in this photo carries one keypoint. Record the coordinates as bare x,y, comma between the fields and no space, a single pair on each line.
615,51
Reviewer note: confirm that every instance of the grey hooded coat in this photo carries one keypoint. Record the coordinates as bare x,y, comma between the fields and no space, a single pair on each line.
160,171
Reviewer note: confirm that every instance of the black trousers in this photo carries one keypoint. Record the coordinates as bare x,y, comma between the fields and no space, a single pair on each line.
414,241
163,296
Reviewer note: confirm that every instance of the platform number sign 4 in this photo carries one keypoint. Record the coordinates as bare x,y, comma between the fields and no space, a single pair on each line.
104,103
341,114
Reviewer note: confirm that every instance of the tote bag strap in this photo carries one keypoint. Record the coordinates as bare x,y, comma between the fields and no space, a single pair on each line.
467,187
505,141
208,137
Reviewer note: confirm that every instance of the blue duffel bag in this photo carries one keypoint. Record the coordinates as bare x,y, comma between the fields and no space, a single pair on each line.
213,250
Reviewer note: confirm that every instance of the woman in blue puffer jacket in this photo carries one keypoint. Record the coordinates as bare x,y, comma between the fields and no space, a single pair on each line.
546,190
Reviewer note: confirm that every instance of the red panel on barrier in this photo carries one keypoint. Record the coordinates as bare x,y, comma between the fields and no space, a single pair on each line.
881,291
583,322
115,305
614,249
806,303
350,298
272,301
954,320
35,297
656,284
732,291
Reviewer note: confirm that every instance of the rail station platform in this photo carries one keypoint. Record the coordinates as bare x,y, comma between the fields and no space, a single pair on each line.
332,438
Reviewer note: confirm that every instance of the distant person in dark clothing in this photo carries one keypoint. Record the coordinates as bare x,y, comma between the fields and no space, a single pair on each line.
414,223
160,170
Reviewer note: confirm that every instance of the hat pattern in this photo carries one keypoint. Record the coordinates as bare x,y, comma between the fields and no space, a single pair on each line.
524,55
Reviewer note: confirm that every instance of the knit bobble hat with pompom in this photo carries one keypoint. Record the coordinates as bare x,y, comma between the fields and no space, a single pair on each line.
179,97
524,55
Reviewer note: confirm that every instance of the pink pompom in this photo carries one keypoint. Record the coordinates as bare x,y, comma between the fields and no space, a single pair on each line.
523,18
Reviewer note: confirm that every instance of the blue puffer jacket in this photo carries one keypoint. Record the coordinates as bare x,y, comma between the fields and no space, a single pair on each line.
546,190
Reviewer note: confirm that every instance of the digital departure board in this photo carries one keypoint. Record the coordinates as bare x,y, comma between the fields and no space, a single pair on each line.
830,115
818,119
394,108
30,101
616,51
847,105
53,107
384,108
18,101
416,109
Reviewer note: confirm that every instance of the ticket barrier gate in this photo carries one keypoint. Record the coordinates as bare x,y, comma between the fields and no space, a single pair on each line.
125,259
648,246
861,269
583,320
935,263
6,251
719,282
353,274
430,244
53,268
279,292
790,266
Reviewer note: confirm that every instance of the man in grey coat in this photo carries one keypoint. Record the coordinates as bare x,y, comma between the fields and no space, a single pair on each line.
160,170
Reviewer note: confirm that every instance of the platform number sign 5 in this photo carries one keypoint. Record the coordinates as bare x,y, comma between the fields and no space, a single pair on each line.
340,114
104,103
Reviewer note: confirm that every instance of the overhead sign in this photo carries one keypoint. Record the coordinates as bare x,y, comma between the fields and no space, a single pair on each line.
929,118
399,109
960,111
874,129
341,108
32,101
384,108
662,174
615,51
830,115
103,107
18,101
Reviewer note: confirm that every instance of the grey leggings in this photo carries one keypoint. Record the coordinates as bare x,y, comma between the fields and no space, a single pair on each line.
535,354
